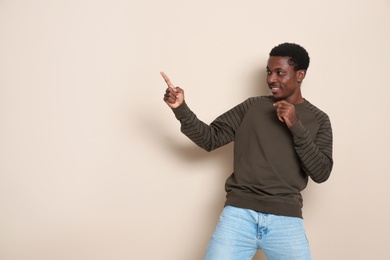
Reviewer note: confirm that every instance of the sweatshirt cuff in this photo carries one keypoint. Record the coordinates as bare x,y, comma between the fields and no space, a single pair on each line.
181,110
298,129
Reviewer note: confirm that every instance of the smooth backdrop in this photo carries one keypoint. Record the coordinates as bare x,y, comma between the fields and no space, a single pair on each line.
92,161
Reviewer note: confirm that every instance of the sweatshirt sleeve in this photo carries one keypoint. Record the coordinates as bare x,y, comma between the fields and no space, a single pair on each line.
315,155
220,132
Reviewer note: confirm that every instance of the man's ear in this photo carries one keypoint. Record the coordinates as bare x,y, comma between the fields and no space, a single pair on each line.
301,75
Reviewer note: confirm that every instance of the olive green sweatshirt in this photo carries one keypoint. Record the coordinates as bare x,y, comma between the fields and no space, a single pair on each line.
272,162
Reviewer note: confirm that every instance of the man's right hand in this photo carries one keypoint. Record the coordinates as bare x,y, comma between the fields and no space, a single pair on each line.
174,96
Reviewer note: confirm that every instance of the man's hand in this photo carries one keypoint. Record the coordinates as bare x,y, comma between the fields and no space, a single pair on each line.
286,113
174,96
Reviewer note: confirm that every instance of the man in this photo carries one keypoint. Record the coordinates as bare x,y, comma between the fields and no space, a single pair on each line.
279,141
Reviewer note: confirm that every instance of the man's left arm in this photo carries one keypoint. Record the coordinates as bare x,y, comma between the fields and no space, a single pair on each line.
315,155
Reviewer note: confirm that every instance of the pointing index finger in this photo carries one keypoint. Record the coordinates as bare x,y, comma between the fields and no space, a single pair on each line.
170,85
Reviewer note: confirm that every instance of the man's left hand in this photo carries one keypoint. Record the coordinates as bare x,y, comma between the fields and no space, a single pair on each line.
286,113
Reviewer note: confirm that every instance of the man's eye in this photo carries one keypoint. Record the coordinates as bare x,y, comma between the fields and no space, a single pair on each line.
281,73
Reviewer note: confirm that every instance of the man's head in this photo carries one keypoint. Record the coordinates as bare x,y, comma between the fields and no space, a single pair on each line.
286,69
298,56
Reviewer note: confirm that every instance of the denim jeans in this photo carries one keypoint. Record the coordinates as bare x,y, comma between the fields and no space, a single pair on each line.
241,232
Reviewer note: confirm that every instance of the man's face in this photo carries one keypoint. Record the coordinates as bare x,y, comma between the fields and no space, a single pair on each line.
283,80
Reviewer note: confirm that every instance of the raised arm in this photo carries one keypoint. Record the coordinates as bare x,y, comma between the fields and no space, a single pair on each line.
209,137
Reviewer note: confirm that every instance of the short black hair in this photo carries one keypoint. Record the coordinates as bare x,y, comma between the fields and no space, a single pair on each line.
298,56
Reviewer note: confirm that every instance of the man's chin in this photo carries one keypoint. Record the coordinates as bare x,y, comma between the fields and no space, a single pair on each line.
277,98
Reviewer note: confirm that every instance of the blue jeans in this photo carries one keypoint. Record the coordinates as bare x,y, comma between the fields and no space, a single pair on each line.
241,232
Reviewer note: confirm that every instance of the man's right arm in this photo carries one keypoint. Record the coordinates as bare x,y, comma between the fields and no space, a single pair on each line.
209,137
220,132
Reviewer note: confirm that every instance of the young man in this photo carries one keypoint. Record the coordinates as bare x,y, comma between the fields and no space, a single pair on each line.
279,141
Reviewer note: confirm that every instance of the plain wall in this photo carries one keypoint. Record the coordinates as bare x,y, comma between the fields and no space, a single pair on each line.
92,161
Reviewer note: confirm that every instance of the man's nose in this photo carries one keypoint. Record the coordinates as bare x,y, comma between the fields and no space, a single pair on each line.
271,78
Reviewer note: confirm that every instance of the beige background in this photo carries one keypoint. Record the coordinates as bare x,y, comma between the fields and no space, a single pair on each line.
92,162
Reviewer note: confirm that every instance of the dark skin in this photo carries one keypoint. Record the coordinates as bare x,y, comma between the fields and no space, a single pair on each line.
285,84
174,96
283,80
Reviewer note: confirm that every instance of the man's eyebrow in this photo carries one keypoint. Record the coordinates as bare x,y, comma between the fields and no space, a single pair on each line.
275,68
